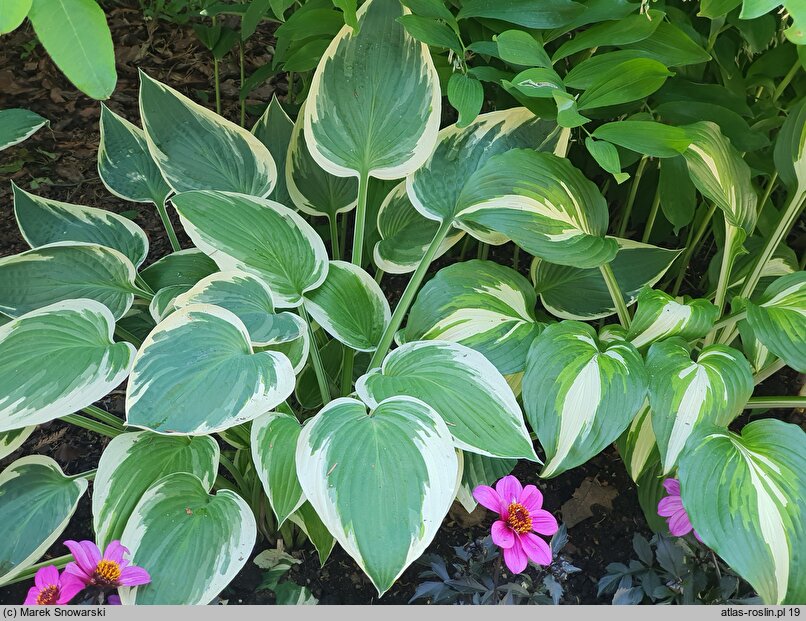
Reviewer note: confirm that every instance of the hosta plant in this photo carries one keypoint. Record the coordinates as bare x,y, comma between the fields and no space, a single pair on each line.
271,389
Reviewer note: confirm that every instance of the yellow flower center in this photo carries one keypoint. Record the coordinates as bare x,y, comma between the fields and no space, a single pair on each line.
519,519
107,573
48,596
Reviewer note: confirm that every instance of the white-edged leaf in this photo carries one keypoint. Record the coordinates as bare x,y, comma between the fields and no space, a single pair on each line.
374,103
184,267
44,221
274,444
465,389
257,236
637,445
192,543
580,392
18,124
13,439
38,501
382,481
273,129
131,463
162,304
58,359
684,394
311,524
196,373
480,470
196,149
660,316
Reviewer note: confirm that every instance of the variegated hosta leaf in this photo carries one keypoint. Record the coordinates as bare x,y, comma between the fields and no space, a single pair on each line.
574,293
193,543
185,267
660,316
746,497
754,350
18,124
13,439
274,444
132,463
196,149
465,389
374,103
382,481
58,359
124,162
162,304
684,394
543,204
37,503
312,189
289,337
637,444
480,470
436,187
350,306
273,129
250,299
580,393
479,304
196,374
721,175
406,234
66,271
257,236
43,221
779,319
311,524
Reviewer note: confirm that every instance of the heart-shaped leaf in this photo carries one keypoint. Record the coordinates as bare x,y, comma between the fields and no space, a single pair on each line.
465,389
38,501
580,392
660,316
162,304
196,374
185,267
382,481
684,394
13,439
193,544
746,498
43,221
132,463
257,236
58,359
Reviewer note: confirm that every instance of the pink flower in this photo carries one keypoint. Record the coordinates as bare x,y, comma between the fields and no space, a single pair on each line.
51,589
673,510
106,572
113,600
520,513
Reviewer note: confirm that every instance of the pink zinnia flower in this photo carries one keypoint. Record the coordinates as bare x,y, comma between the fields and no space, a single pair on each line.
673,510
106,572
51,589
113,600
520,513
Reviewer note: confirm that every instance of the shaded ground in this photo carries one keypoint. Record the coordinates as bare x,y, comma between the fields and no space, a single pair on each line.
60,163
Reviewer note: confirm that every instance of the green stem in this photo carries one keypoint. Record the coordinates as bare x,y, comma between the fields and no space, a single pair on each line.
318,367
408,294
776,402
138,280
92,425
484,251
379,276
240,91
636,180
60,562
730,320
166,222
290,94
785,82
104,416
615,294
516,258
343,231
768,190
347,371
89,475
465,247
141,293
767,371
124,334
239,480
216,80
653,213
334,237
686,258
360,217
724,275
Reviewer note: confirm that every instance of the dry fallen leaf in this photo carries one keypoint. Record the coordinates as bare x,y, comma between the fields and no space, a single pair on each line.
464,519
589,493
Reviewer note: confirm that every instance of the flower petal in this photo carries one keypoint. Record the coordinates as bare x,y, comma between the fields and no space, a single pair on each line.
47,576
502,534
509,488
30,599
531,498
133,576
70,587
670,505
113,600
672,487
74,570
486,496
697,536
544,523
679,524
536,549
114,552
515,558
86,553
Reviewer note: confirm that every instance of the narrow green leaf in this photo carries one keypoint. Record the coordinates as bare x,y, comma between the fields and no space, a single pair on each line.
273,129
647,137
